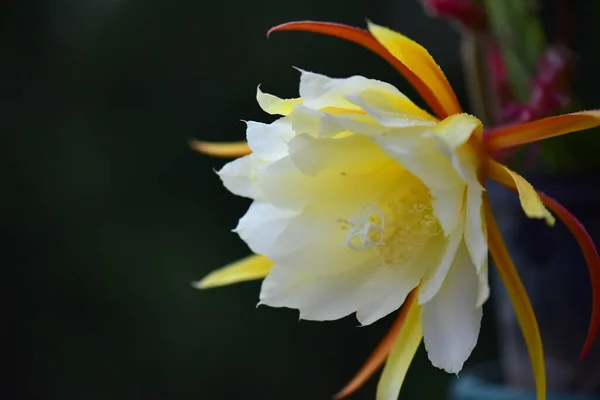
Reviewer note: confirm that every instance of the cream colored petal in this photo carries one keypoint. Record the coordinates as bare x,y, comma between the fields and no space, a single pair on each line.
319,91
274,105
269,141
319,295
346,174
451,320
434,279
484,285
448,206
262,225
457,129
390,111
387,287
420,156
452,135
351,154
239,177
305,120
475,230
384,291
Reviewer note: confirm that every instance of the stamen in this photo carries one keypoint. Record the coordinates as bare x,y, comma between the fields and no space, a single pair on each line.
367,228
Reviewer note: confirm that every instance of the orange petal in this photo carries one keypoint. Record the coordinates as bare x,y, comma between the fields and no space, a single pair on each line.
379,355
591,258
365,39
520,134
226,150
520,300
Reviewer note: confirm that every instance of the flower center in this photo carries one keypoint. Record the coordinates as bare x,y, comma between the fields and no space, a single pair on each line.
398,227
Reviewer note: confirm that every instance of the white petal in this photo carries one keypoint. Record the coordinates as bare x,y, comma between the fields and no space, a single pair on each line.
319,91
314,122
448,206
314,238
475,232
351,154
391,110
484,286
435,278
239,176
420,156
383,292
324,296
262,225
387,287
346,174
451,320
269,141
273,104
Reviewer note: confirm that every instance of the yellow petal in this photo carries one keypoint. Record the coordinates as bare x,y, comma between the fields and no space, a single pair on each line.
520,134
227,150
520,300
274,105
379,355
530,200
365,39
457,129
419,61
246,269
402,353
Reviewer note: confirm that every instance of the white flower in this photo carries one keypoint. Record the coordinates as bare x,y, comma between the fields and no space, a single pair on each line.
359,197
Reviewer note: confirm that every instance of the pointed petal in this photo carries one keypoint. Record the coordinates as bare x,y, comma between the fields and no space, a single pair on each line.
530,201
320,92
518,295
227,150
319,297
274,105
262,226
520,134
269,141
483,292
239,177
384,291
418,61
402,353
475,229
246,269
451,320
365,39
591,258
432,282
379,355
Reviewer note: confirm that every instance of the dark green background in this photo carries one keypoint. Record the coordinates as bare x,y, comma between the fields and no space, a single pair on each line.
108,215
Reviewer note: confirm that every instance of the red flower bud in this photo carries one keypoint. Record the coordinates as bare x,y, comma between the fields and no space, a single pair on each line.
468,13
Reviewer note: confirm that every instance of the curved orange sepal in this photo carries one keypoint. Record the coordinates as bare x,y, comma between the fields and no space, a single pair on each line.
590,253
365,39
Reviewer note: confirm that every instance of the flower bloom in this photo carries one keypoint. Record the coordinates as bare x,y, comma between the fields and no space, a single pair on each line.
365,203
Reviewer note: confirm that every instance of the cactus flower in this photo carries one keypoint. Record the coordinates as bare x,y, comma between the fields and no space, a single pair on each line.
364,203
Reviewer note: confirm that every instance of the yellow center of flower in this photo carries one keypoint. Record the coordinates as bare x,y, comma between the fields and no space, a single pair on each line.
398,227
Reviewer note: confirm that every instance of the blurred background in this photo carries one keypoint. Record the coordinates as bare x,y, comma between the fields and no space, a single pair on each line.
108,215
